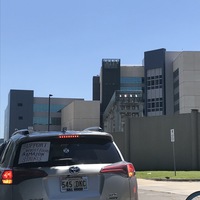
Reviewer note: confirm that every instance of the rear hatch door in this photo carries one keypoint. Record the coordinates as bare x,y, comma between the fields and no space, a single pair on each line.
63,167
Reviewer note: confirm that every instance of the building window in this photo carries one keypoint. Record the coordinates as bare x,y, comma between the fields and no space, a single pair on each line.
44,121
20,104
154,78
20,117
44,107
155,104
131,83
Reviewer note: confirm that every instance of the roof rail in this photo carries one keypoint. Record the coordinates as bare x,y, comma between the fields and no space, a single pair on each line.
22,131
95,128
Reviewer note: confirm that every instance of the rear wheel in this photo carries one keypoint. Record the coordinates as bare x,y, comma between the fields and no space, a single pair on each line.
194,196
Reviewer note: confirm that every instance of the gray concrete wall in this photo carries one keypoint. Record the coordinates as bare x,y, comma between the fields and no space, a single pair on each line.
188,63
80,115
146,142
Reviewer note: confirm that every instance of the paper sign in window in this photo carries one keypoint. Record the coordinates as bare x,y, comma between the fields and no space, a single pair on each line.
34,152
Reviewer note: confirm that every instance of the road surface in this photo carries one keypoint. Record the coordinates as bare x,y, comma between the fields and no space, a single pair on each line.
166,190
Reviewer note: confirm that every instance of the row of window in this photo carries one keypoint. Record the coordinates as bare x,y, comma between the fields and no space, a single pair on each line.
154,84
154,109
135,107
130,114
45,107
155,104
44,120
130,100
131,83
154,78
131,88
131,80
154,99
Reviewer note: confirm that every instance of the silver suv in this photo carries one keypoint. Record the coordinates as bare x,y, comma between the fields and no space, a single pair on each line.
84,165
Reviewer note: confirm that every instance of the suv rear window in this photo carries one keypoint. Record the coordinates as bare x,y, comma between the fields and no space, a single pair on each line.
61,152
2,147
3,150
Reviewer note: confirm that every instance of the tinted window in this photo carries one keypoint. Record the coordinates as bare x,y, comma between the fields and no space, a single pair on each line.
61,152
3,150
2,147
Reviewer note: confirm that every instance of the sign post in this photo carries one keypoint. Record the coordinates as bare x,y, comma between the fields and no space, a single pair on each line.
173,146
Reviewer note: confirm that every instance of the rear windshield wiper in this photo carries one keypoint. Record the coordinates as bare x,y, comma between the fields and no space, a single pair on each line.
65,161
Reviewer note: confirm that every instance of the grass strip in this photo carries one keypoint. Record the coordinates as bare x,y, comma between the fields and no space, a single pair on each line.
187,175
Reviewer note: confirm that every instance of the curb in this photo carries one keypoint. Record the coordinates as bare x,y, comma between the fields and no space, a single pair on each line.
176,180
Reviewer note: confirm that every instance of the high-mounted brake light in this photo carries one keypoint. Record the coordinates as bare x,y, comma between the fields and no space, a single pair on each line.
68,136
120,168
7,177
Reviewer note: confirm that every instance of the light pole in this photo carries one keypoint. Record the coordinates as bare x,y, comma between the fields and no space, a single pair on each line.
50,95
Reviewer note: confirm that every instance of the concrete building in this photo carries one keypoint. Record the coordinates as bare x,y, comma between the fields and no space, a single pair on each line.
172,82
126,102
114,77
41,105
80,115
186,69
169,82
122,105
24,110
19,111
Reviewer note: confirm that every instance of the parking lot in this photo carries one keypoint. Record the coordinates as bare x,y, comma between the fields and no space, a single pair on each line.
173,190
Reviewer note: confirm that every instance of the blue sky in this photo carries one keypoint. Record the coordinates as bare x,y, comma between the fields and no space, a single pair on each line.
56,46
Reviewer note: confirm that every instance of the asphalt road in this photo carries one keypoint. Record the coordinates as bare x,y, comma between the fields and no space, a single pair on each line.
154,195
166,190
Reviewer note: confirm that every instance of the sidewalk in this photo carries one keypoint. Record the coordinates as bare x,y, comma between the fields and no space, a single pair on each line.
175,187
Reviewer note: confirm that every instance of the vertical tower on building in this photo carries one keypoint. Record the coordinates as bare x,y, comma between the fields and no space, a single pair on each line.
96,88
19,112
109,82
154,62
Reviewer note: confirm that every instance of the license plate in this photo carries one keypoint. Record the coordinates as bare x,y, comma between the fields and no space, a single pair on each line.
74,184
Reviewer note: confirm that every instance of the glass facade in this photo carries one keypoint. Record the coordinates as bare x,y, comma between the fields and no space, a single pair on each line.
44,107
133,80
43,118
131,83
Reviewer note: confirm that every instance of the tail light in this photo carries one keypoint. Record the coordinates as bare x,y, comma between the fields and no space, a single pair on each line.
7,177
123,168
18,175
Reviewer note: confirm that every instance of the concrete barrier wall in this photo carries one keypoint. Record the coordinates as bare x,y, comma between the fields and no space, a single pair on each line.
146,142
